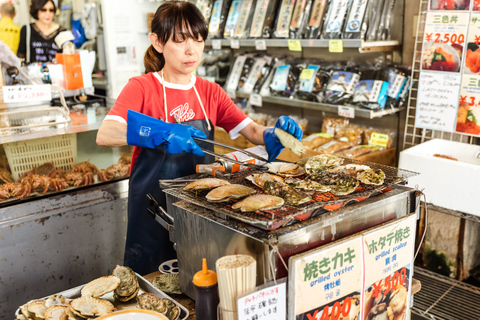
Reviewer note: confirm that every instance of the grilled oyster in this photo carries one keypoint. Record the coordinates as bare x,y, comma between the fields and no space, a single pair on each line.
205,184
88,306
286,192
319,163
128,287
340,183
372,176
149,301
307,184
289,141
36,309
55,312
98,287
168,282
229,192
351,169
260,178
285,169
259,202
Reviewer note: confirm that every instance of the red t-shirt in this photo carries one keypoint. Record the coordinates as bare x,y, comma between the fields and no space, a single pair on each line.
144,94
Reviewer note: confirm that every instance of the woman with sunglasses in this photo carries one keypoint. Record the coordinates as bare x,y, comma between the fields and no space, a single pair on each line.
37,40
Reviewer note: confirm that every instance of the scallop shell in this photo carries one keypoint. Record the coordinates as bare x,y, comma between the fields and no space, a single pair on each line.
229,192
56,300
36,309
259,202
289,141
128,282
24,310
205,184
68,315
91,307
55,312
98,287
286,169
260,178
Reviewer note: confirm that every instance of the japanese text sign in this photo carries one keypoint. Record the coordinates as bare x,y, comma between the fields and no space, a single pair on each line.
27,93
266,304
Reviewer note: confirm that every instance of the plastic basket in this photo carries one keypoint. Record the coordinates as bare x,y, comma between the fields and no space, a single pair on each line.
23,156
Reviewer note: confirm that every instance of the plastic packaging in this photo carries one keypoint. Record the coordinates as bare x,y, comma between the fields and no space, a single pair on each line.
355,18
374,17
300,15
313,80
284,17
247,68
398,81
335,19
314,25
218,18
263,19
215,64
260,69
265,87
285,79
232,19
234,75
205,7
383,32
244,19
341,86
372,89
206,293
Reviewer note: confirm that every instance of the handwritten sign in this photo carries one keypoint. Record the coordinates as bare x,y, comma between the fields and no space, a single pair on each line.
27,93
437,101
267,304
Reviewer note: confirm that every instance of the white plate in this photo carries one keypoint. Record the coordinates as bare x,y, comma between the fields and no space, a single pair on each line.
133,314
170,266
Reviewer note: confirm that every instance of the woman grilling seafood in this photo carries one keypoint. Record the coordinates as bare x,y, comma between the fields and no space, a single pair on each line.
144,116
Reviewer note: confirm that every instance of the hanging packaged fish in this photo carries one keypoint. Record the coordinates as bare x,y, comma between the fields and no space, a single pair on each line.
263,19
234,75
355,19
397,80
335,19
265,87
284,80
313,80
313,28
232,19
205,7
374,16
258,72
383,31
300,14
247,68
245,19
218,18
341,86
372,89
284,18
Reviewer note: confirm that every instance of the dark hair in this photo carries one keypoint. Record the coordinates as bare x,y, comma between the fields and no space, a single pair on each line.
173,18
8,9
39,4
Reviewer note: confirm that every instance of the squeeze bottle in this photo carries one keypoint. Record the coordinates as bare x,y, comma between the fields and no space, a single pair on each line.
206,289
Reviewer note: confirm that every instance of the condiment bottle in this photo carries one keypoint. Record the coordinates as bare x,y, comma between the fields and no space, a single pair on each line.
206,288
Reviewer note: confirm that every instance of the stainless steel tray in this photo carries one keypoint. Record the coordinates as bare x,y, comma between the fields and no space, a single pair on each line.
145,286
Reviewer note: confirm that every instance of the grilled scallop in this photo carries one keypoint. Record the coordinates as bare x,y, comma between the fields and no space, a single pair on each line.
91,307
285,169
205,184
289,141
36,309
55,312
259,179
259,202
98,287
229,192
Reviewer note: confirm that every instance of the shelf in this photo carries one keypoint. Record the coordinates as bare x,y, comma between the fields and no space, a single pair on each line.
443,298
296,103
363,46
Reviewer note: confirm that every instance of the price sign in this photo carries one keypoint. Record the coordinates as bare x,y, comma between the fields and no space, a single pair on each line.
390,283
269,303
217,44
255,100
234,44
347,112
379,139
260,45
307,74
335,46
294,45
450,38
468,113
27,93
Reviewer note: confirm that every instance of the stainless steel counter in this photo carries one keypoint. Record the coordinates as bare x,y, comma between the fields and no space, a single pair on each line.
58,242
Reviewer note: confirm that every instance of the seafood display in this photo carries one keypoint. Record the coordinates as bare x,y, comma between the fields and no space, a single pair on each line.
441,57
259,202
229,192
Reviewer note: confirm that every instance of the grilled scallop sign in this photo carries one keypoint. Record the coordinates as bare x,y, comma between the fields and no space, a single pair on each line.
290,142
205,184
229,192
259,202
98,287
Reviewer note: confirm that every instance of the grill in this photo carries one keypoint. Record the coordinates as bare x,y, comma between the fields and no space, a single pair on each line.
287,214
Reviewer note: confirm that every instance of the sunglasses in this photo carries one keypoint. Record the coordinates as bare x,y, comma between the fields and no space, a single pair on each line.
45,10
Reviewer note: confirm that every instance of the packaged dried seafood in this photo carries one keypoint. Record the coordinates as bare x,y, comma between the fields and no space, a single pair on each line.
356,151
333,146
316,140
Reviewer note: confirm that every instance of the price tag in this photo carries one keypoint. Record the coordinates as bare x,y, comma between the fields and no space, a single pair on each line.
27,93
347,112
294,45
217,44
255,100
335,46
269,303
260,45
234,44
306,74
379,139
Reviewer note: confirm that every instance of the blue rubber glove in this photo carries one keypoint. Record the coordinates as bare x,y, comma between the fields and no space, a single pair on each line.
148,132
272,143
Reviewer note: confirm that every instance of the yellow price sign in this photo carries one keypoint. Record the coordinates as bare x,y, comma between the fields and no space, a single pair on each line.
335,46
379,139
294,45
306,74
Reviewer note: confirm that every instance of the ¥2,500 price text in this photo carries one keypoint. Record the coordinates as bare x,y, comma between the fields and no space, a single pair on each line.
445,38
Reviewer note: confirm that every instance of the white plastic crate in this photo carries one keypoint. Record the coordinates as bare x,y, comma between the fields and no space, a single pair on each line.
23,156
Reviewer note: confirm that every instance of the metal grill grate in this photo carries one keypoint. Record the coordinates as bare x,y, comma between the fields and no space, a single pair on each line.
442,298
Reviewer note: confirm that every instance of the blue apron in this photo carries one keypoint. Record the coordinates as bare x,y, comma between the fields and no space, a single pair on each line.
148,243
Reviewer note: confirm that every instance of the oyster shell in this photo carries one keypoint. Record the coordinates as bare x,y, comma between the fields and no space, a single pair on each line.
319,163
98,287
205,184
260,178
229,192
55,312
36,309
286,169
168,282
149,301
351,169
128,287
340,183
87,306
286,192
307,184
372,176
259,202
24,310
289,141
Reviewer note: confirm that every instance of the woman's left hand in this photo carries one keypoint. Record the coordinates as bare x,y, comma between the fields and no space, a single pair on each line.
272,143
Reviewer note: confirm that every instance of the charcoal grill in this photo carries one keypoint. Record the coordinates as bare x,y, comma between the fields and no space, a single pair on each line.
212,230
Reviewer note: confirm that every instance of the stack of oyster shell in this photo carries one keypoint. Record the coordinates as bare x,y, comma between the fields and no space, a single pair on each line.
90,305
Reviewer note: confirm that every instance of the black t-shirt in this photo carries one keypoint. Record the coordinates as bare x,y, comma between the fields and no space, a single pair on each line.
42,48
